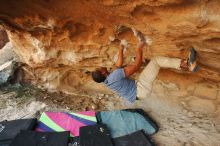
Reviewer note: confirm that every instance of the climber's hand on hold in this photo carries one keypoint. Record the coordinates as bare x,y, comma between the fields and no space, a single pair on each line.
124,44
122,47
148,40
141,38
141,45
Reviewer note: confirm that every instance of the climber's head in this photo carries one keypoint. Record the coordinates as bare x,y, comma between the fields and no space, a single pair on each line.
100,74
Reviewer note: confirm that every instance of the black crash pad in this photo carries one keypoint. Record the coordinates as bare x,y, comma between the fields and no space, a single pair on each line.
96,135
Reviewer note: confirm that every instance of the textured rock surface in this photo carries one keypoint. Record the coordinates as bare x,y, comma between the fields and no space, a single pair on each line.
62,41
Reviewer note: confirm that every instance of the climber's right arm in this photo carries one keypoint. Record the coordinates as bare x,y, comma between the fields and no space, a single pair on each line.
131,69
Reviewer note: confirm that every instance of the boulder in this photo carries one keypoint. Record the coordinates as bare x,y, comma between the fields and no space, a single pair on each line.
7,63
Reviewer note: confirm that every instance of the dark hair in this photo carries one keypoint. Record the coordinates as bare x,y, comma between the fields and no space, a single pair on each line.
98,77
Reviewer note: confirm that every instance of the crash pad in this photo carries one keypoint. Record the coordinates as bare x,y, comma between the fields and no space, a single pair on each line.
63,121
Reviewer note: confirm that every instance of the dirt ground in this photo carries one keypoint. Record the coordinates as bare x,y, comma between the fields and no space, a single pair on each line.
187,115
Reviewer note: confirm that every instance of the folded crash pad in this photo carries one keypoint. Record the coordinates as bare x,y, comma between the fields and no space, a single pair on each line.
123,122
34,138
134,139
63,121
9,129
97,135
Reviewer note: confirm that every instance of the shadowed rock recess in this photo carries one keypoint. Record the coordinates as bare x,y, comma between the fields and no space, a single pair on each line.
3,38
61,42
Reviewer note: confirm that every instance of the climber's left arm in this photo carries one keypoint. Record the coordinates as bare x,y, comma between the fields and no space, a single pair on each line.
119,62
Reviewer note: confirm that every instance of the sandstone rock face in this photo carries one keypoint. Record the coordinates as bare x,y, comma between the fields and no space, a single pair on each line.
62,41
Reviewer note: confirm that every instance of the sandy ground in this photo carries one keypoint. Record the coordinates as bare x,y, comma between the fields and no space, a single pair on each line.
184,119
186,116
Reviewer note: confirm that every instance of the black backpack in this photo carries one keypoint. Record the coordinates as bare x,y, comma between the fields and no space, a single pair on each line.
9,129
95,135
34,138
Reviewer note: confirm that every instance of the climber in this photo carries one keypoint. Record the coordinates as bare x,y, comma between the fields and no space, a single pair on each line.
119,80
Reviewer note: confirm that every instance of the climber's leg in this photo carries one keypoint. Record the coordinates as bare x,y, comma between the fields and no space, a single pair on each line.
149,74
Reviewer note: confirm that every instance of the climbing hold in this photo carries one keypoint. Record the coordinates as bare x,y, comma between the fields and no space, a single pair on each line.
141,38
